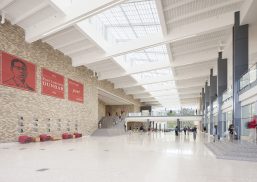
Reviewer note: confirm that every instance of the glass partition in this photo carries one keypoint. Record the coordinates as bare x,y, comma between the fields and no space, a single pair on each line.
247,113
246,117
248,77
227,95
181,112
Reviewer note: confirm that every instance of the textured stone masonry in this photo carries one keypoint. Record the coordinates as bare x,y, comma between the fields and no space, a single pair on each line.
63,114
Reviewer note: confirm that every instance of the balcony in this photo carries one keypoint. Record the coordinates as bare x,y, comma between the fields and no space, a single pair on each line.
248,80
227,95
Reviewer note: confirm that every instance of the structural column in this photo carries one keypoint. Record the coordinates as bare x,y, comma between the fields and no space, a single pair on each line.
240,66
213,95
202,107
206,100
221,87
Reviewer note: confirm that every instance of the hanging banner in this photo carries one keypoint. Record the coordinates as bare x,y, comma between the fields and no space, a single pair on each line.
16,72
75,91
52,84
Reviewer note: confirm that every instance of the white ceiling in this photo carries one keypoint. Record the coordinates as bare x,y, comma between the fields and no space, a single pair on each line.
159,51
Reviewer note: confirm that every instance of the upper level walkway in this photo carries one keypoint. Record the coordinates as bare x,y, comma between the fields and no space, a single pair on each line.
164,118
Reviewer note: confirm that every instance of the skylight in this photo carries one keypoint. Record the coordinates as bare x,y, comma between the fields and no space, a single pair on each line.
128,21
160,86
152,57
134,20
156,75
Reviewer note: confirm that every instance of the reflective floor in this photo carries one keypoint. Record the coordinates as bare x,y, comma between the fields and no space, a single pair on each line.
155,157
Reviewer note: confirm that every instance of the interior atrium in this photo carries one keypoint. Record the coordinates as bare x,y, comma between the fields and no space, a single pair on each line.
128,90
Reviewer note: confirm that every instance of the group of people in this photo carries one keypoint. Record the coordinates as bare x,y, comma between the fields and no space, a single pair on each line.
186,131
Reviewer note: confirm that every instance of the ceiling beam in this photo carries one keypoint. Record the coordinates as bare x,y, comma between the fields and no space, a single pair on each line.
190,92
152,103
74,41
78,11
59,35
184,77
147,91
200,85
178,4
189,60
158,96
248,12
5,3
148,100
209,8
188,31
126,85
110,75
29,13
213,48
78,49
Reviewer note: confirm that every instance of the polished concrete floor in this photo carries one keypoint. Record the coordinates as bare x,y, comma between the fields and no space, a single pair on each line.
155,157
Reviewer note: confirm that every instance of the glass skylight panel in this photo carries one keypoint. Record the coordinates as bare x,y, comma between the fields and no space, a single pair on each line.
150,57
140,16
153,75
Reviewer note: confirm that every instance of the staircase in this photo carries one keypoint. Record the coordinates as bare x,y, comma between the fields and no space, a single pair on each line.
108,129
238,150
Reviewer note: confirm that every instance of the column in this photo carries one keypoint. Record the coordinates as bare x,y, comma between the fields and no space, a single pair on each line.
206,99
203,107
212,96
221,87
240,66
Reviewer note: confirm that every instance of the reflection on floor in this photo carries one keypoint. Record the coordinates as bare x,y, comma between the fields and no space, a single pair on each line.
135,157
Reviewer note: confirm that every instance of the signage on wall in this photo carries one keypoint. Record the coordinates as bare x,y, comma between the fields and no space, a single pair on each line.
16,72
52,84
75,91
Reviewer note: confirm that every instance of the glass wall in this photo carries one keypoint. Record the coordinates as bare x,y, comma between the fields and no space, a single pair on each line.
247,113
226,120
248,77
246,117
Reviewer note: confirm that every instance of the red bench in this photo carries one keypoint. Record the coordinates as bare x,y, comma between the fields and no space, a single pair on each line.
25,139
77,135
67,136
45,137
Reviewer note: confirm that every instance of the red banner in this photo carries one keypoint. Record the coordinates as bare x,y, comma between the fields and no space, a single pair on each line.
16,72
52,84
75,91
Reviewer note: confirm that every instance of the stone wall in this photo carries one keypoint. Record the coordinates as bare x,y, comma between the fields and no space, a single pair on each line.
55,114
101,110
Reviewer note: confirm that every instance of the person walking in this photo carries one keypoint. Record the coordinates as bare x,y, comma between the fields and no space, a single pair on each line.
231,132
185,130
194,133
176,130
215,132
